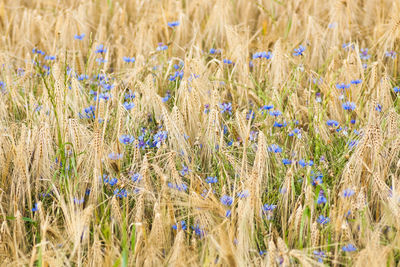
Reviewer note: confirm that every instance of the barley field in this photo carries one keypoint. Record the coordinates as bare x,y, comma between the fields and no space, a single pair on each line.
199,133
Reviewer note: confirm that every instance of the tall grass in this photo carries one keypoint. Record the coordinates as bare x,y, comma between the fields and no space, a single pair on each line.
249,133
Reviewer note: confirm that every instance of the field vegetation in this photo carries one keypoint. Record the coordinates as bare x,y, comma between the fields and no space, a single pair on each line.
199,133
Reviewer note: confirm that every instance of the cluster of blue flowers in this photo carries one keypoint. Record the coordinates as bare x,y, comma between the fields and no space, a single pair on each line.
109,180
102,87
180,187
266,55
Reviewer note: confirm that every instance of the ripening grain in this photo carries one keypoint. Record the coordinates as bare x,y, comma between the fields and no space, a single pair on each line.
199,133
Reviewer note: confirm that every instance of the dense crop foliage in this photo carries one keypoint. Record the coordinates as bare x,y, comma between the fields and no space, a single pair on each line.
199,133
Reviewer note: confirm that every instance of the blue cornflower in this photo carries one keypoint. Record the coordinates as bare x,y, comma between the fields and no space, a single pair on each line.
351,144
211,180
79,37
82,77
178,75
378,107
206,108
257,55
268,207
46,68
173,24
185,170
2,84
267,210
129,59
243,194
225,128
113,181
129,105
295,131
105,96
78,201
90,109
161,47
253,135
358,81
250,115
321,197
266,107
108,180
286,161
198,231
114,156
318,81
275,148
349,248
280,125
299,51
50,57
142,144
266,55
88,113
100,77
227,61
349,105
347,46
214,51
37,51
317,179
226,107
391,54
120,193
320,255
275,113
181,187
226,200
323,220
166,97
126,139
137,177
364,54
129,95
183,226
100,49
396,89
159,138
332,123
228,213
348,192
35,207
342,86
